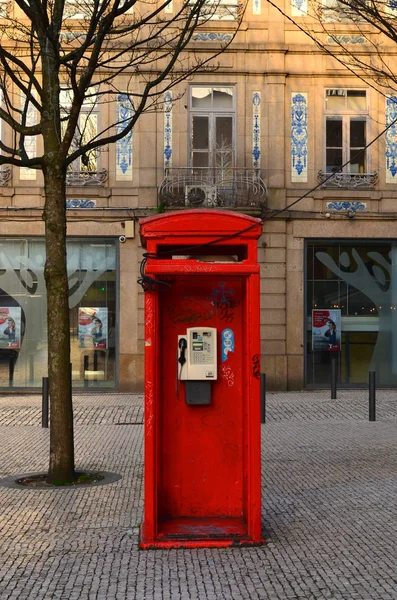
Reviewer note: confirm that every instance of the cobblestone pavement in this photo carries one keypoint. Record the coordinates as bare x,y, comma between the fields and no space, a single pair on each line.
329,508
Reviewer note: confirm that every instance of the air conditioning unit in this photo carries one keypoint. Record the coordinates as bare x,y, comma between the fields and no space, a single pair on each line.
197,196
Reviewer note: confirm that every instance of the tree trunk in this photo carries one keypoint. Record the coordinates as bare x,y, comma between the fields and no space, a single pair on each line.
61,467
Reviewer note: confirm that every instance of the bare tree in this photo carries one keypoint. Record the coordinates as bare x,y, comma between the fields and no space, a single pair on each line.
370,24
59,57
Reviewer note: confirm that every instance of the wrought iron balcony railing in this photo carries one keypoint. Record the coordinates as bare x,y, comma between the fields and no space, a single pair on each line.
76,178
347,181
5,175
204,187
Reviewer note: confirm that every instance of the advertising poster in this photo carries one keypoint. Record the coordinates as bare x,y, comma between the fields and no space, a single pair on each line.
326,330
93,327
10,327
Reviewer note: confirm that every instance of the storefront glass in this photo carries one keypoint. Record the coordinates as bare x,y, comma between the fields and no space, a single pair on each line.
360,280
23,305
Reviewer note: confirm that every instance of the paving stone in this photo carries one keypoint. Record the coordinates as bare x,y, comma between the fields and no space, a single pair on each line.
328,506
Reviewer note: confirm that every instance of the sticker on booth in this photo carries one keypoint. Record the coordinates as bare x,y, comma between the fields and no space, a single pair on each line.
93,327
10,327
227,343
326,330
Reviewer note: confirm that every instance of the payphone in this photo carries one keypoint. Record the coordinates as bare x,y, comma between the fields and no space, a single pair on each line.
197,363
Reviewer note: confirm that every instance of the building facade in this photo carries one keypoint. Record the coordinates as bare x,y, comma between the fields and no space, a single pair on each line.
279,129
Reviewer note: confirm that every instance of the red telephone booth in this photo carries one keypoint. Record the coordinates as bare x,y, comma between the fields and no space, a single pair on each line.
202,380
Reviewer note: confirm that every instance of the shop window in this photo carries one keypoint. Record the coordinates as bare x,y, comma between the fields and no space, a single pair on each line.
92,276
357,279
212,129
346,115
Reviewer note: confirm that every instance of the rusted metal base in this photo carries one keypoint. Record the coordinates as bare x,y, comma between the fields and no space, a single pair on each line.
200,533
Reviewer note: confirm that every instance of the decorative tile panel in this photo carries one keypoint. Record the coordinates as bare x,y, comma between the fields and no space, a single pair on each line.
256,130
1,120
391,139
349,206
211,36
80,203
256,7
299,137
298,8
168,129
72,36
124,146
26,174
391,7
346,39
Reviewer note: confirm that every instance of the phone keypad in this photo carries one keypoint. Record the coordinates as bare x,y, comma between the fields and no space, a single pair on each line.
202,358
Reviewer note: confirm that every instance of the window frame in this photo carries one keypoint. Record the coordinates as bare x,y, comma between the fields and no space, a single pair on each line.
87,109
5,9
220,10
339,13
212,113
346,116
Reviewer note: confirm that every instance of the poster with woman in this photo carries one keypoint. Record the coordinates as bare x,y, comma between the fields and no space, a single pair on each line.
326,329
93,327
10,327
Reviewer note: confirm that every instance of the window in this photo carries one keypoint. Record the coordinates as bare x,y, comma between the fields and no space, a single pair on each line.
5,6
82,9
346,130
212,125
86,131
219,10
334,11
5,171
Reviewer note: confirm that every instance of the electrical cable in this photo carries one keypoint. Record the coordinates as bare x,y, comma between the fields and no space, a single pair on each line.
150,284
39,219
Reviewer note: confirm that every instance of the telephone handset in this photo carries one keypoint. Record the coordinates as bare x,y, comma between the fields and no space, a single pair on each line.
197,354
182,344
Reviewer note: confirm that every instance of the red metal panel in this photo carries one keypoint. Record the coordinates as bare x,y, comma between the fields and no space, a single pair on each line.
201,447
189,266
252,434
151,410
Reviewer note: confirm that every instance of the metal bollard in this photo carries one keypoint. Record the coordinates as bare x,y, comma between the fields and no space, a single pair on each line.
85,369
334,375
11,365
31,367
372,393
263,397
44,402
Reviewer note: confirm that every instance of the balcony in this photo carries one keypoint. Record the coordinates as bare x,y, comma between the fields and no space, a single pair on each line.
77,178
348,181
238,189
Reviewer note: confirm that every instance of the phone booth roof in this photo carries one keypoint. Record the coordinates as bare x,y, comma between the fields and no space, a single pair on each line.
200,223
